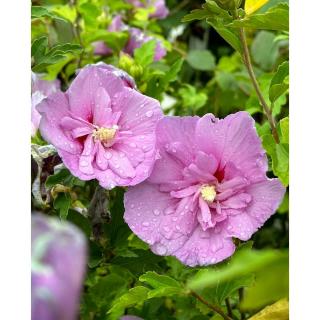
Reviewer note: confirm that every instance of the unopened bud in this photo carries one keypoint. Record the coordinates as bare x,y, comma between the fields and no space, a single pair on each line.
125,62
136,71
229,4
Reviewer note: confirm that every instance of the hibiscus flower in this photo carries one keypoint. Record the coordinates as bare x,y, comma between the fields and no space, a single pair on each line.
208,186
102,127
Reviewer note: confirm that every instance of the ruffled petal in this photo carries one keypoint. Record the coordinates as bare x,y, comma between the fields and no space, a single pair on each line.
233,139
144,210
52,110
82,92
102,113
266,197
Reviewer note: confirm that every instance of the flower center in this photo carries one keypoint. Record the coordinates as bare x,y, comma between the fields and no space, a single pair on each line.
105,134
208,193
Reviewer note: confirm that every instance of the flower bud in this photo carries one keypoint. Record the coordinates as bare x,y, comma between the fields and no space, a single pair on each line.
125,62
136,71
229,4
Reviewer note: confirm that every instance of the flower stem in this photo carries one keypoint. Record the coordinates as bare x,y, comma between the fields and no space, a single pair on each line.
248,64
215,308
243,317
229,308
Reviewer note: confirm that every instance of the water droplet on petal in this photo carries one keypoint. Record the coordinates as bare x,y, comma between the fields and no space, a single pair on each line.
108,155
133,145
149,113
132,206
160,249
84,163
145,224
156,212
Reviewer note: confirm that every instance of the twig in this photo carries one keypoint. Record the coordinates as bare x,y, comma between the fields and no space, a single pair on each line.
248,64
98,210
76,30
243,317
215,308
182,52
180,6
229,308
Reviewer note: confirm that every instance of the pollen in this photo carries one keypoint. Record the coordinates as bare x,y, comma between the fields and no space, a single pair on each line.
105,134
208,193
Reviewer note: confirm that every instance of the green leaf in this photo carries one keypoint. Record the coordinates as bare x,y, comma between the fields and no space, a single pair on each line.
90,12
265,50
38,12
198,14
279,154
136,295
171,75
277,311
191,98
222,290
66,11
209,10
228,34
271,284
145,54
244,262
38,47
276,18
279,83
164,286
284,128
107,288
62,203
156,280
43,57
114,40
202,60
63,177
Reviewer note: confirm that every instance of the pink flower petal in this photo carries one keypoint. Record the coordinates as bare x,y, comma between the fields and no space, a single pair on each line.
102,112
52,110
266,197
233,139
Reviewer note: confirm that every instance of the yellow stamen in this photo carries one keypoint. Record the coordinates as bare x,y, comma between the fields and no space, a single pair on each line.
104,134
208,193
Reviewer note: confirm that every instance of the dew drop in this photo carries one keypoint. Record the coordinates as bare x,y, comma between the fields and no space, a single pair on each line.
83,163
108,155
132,206
133,145
149,114
145,224
160,249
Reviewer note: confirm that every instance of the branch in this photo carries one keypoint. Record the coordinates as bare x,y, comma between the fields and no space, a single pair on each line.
98,210
248,64
215,308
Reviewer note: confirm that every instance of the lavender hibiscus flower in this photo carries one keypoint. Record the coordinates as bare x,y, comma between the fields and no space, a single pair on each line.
58,267
40,89
136,39
102,128
208,186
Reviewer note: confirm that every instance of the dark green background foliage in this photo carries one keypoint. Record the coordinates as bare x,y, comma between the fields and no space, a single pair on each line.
202,72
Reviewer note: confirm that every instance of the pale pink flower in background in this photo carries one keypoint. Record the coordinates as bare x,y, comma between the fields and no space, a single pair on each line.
208,186
102,127
40,89
59,255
